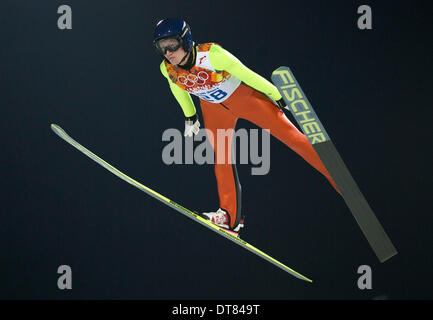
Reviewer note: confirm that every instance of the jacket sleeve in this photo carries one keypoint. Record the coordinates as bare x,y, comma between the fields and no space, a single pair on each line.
221,59
182,97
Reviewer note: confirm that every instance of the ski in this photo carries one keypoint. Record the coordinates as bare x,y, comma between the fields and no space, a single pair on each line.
190,214
301,109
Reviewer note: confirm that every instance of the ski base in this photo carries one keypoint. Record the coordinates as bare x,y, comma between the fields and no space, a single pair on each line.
190,214
304,114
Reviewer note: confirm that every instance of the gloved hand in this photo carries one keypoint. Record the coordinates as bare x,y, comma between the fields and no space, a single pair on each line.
281,104
192,126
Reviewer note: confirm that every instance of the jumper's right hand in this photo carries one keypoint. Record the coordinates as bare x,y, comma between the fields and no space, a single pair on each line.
192,126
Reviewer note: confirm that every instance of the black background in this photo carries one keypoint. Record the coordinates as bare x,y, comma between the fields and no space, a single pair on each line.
101,82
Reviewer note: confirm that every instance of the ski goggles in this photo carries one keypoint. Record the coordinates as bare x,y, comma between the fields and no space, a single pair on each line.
170,45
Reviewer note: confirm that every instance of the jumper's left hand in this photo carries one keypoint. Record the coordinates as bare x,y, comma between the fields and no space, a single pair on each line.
192,126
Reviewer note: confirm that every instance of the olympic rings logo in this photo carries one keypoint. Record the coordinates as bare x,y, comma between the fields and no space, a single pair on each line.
191,80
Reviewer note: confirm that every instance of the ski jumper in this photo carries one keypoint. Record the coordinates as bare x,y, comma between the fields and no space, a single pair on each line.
228,90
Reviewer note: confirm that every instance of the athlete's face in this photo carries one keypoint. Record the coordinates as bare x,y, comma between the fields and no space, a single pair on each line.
172,51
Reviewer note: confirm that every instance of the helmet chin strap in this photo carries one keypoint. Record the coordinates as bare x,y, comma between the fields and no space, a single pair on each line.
189,63
183,58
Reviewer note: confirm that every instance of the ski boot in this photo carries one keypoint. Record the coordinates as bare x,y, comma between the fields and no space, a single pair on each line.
221,219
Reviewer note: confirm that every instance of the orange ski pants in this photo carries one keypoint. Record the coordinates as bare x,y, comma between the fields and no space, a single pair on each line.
250,104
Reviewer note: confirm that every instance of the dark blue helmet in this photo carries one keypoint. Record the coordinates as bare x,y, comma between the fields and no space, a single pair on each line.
174,28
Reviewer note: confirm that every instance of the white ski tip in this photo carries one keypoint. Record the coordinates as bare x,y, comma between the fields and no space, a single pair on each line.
57,129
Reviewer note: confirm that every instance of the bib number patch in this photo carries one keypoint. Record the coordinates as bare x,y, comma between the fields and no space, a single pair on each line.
212,96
